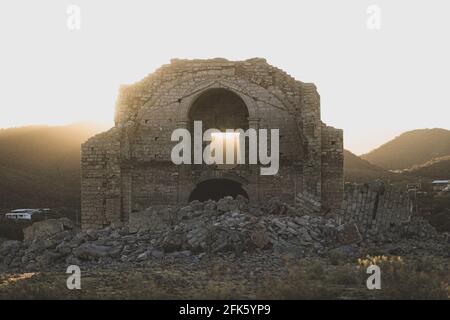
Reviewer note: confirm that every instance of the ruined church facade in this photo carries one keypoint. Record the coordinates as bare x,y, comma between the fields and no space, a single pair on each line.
128,168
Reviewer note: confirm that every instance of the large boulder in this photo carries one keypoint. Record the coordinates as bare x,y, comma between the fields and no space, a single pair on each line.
46,229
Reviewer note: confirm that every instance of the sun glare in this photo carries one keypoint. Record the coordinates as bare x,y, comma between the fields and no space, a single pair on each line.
229,142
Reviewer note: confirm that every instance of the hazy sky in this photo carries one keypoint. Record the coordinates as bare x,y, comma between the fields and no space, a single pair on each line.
374,84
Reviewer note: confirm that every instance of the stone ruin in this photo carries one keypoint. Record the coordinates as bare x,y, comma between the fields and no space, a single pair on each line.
139,209
128,168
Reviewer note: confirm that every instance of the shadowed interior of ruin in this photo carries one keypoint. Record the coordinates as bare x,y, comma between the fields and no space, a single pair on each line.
220,109
216,189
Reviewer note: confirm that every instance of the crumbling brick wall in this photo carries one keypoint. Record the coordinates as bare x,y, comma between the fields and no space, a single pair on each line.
376,206
101,190
332,164
129,167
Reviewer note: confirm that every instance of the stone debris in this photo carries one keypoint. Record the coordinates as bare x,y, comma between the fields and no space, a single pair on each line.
348,233
308,203
228,226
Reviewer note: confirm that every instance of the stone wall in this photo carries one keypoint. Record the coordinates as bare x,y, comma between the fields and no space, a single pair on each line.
332,164
376,207
129,167
101,190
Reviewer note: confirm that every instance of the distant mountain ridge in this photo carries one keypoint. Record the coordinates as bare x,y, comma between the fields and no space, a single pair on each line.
412,148
40,165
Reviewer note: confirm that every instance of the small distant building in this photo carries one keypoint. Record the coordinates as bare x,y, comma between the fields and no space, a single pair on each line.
441,185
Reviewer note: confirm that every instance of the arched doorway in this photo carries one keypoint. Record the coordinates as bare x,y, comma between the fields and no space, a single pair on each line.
223,110
219,109
216,189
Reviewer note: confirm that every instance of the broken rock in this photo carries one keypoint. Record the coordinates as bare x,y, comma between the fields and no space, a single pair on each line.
46,229
348,233
91,251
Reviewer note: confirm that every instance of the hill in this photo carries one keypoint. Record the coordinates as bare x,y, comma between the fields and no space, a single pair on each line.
40,165
412,148
360,170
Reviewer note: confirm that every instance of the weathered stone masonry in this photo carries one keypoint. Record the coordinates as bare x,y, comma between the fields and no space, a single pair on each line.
128,168
376,207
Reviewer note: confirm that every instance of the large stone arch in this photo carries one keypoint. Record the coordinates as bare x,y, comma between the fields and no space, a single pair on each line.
185,100
220,109
195,92
188,187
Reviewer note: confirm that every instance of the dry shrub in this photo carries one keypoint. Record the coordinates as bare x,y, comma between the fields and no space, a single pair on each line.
305,280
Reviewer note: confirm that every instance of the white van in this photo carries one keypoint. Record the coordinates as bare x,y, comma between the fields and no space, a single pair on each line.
21,214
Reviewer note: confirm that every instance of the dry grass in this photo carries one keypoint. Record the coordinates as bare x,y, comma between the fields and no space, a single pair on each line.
318,278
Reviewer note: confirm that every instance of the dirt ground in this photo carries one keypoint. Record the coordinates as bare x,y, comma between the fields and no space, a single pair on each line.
250,277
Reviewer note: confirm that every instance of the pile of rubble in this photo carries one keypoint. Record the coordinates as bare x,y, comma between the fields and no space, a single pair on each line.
227,226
